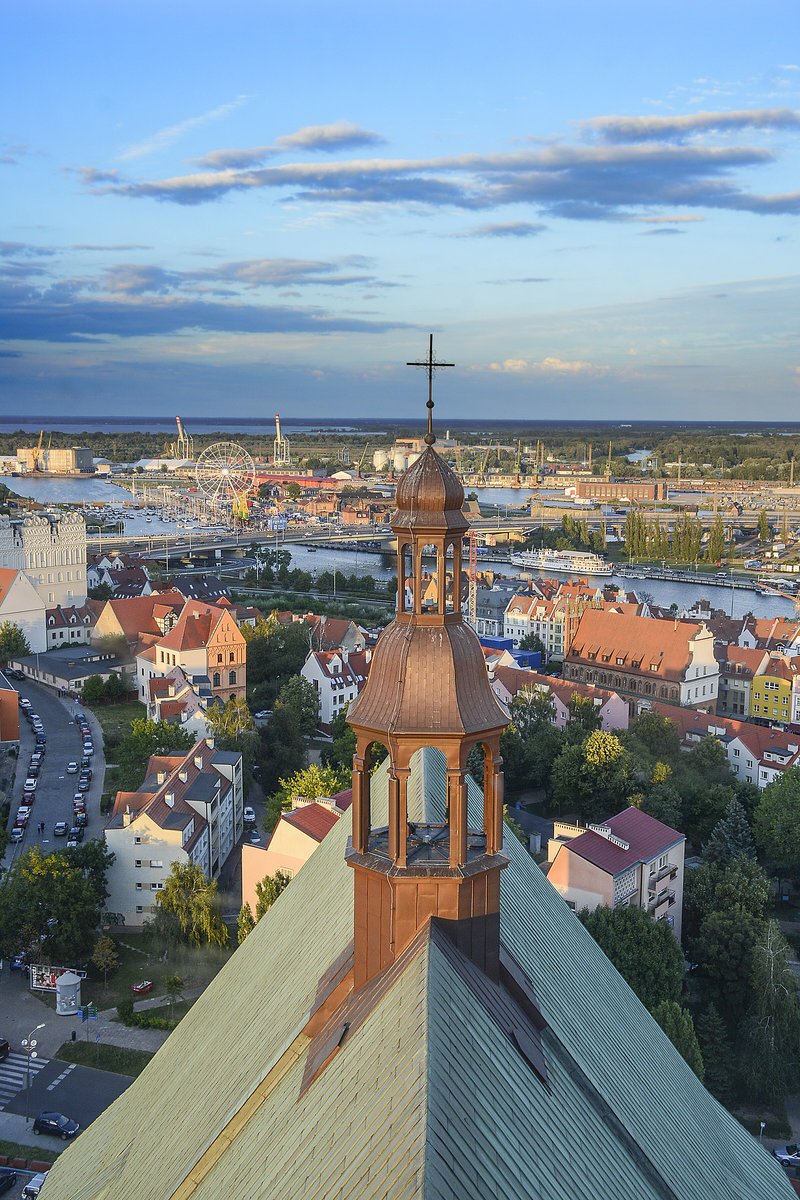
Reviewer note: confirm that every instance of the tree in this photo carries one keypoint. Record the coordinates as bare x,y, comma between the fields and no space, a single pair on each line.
532,641
192,899
301,697
664,803
716,540
173,987
592,779
715,1047
281,748
226,722
731,837
245,922
268,890
724,952
772,1031
310,782
678,1025
103,591
13,643
776,823
93,690
651,737
294,491
114,689
51,904
764,531
645,952
105,957
584,717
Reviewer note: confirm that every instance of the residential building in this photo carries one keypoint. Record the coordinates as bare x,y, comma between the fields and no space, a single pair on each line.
335,633
294,839
22,605
772,690
205,642
611,708
629,861
67,667
638,656
71,625
179,699
363,1043
50,547
756,753
337,677
137,618
771,633
738,667
189,809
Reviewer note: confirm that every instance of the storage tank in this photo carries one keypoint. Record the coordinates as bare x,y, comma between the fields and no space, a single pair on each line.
380,460
400,461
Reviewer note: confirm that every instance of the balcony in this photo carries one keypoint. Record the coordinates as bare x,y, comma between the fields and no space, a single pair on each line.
670,870
665,898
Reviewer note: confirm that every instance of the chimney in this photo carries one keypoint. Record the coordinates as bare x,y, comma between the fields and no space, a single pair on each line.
127,816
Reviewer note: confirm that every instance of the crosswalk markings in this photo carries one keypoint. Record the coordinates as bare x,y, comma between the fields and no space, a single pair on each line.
13,1074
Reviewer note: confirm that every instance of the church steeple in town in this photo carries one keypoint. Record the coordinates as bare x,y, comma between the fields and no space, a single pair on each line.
428,687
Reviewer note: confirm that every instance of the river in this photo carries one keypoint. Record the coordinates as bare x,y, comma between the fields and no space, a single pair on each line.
664,592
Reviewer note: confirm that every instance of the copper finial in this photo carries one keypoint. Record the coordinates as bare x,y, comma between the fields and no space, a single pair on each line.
430,364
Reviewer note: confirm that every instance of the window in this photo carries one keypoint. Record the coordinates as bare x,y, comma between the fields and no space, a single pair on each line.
232,677
231,657
736,754
139,908
137,840
138,887
219,658
138,862
157,887
156,864
217,679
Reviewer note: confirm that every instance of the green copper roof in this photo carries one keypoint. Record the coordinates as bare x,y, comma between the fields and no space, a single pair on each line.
428,1098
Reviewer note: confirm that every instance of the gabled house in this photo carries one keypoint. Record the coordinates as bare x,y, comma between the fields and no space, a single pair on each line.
337,677
22,605
71,625
137,617
641,657
204,641
631,860
611,708
335,633
772,689
738,668
189,809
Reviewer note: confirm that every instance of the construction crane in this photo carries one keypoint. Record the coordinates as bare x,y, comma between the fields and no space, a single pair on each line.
482,472
361,461
280,447
517,463
37,452
472,594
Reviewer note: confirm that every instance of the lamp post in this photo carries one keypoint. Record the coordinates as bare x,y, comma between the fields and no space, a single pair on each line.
29,1045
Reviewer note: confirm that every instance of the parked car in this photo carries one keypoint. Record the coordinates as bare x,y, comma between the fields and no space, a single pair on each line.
88,749
33,1187
33,770
60,829
7,1179
17,833
31,783
76,833
72,768
79,818
83,785
788,1156
24,703
253,838
85,761
142,987
57,1124
249,815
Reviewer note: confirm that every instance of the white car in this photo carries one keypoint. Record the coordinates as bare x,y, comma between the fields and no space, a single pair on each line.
72,768
249,816
31,783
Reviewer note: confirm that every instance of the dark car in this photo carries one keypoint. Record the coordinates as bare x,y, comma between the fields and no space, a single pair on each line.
57,1124
80,819
76,833
83,784
7,1179
17,962
85,762
5,1049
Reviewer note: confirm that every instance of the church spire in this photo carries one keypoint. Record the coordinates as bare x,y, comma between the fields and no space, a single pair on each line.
427,687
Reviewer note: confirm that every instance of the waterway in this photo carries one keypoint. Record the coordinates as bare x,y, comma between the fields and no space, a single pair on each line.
662,592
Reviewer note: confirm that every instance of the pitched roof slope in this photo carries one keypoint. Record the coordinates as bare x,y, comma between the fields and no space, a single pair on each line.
646,837
635,639
426,1098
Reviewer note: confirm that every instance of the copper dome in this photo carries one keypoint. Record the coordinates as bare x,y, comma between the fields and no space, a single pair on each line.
428,680
430,495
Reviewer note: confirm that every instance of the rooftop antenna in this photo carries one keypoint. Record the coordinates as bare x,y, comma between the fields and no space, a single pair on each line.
430,364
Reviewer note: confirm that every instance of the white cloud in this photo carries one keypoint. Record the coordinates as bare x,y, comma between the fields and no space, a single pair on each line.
329,137
550,365
170,135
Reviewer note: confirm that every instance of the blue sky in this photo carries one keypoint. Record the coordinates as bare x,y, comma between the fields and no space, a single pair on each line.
233,208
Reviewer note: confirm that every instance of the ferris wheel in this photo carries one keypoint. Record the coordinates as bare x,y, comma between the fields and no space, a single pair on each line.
225,474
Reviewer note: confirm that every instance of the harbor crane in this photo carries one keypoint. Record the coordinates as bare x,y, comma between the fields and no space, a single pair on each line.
281,455
608,465
361,461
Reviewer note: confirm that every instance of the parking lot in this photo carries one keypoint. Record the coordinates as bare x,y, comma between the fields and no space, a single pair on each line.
55,787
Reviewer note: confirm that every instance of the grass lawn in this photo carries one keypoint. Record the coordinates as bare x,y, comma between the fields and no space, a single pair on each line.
120,1060
140,959
29,1153
115,719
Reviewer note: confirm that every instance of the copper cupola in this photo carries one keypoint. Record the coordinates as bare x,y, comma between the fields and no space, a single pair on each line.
427,687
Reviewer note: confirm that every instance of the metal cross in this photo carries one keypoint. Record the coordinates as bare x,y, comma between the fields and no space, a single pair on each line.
430,364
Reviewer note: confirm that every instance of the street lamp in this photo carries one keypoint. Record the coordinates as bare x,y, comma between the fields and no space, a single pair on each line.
29,1045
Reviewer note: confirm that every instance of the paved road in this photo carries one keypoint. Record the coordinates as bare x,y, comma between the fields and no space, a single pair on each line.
81,1093
55,788
13,1074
